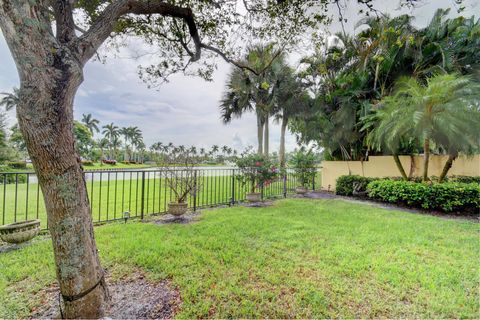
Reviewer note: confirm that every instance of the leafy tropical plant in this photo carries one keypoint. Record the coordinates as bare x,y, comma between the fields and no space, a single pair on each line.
303,163
83,138
90,122
347,81
10,99
257,170
445,110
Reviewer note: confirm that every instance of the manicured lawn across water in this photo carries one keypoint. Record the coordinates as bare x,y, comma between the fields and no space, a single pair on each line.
112,193
298,258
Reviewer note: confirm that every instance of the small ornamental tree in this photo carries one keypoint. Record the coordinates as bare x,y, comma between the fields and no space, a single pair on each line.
257,170
180,172
303,163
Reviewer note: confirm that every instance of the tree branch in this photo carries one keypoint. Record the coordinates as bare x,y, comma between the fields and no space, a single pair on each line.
63,12
240,65
107,20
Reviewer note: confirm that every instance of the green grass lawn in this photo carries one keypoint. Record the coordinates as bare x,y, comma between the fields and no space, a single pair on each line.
299,258
122,191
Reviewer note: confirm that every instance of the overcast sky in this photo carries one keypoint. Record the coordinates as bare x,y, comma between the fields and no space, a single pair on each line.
185,110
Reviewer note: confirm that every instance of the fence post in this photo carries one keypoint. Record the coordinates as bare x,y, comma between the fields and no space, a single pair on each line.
142,207
232,201
285,184
195,191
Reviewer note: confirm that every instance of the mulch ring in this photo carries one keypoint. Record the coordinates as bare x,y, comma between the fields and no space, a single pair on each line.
7,247
189,217
259,204
132,297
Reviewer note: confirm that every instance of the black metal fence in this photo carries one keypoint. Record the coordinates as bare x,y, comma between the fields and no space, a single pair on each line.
138,192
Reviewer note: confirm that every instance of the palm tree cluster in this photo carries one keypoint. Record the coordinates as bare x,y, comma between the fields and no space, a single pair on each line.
111,142
270,89
215,154
394,89
133,145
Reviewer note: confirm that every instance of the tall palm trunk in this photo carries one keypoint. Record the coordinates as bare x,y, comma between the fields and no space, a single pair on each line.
259,133
426,159
400,166
451,157
283,129
266,138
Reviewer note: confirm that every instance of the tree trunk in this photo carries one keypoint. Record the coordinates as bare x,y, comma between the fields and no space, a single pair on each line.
266,138
452,156
50,75
412,167
281,153
426,159
51,147
400,166
259,134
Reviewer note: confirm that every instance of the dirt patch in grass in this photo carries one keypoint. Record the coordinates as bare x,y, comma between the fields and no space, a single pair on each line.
132,297
259,204
189,217
7,247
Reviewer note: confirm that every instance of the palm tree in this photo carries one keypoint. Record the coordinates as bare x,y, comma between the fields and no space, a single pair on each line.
444,111
10,100
111,132
214,149
156,148
247,91
102,144
126,135
379,127
116,144
447,45
135,137
90,122
290,99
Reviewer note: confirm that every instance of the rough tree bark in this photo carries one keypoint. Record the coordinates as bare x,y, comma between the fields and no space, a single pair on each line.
50,75
448,165
50,67
426,158
281,152
400,166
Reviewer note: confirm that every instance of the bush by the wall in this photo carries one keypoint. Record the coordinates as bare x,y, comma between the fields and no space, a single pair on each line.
17,165
344,184
87,163
464,179
447,197
7,177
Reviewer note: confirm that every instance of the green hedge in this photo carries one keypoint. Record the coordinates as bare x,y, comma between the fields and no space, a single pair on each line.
446,197
344,184
464,179
17,165
7,177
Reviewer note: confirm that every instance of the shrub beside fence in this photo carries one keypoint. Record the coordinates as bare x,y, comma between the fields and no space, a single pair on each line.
140,192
